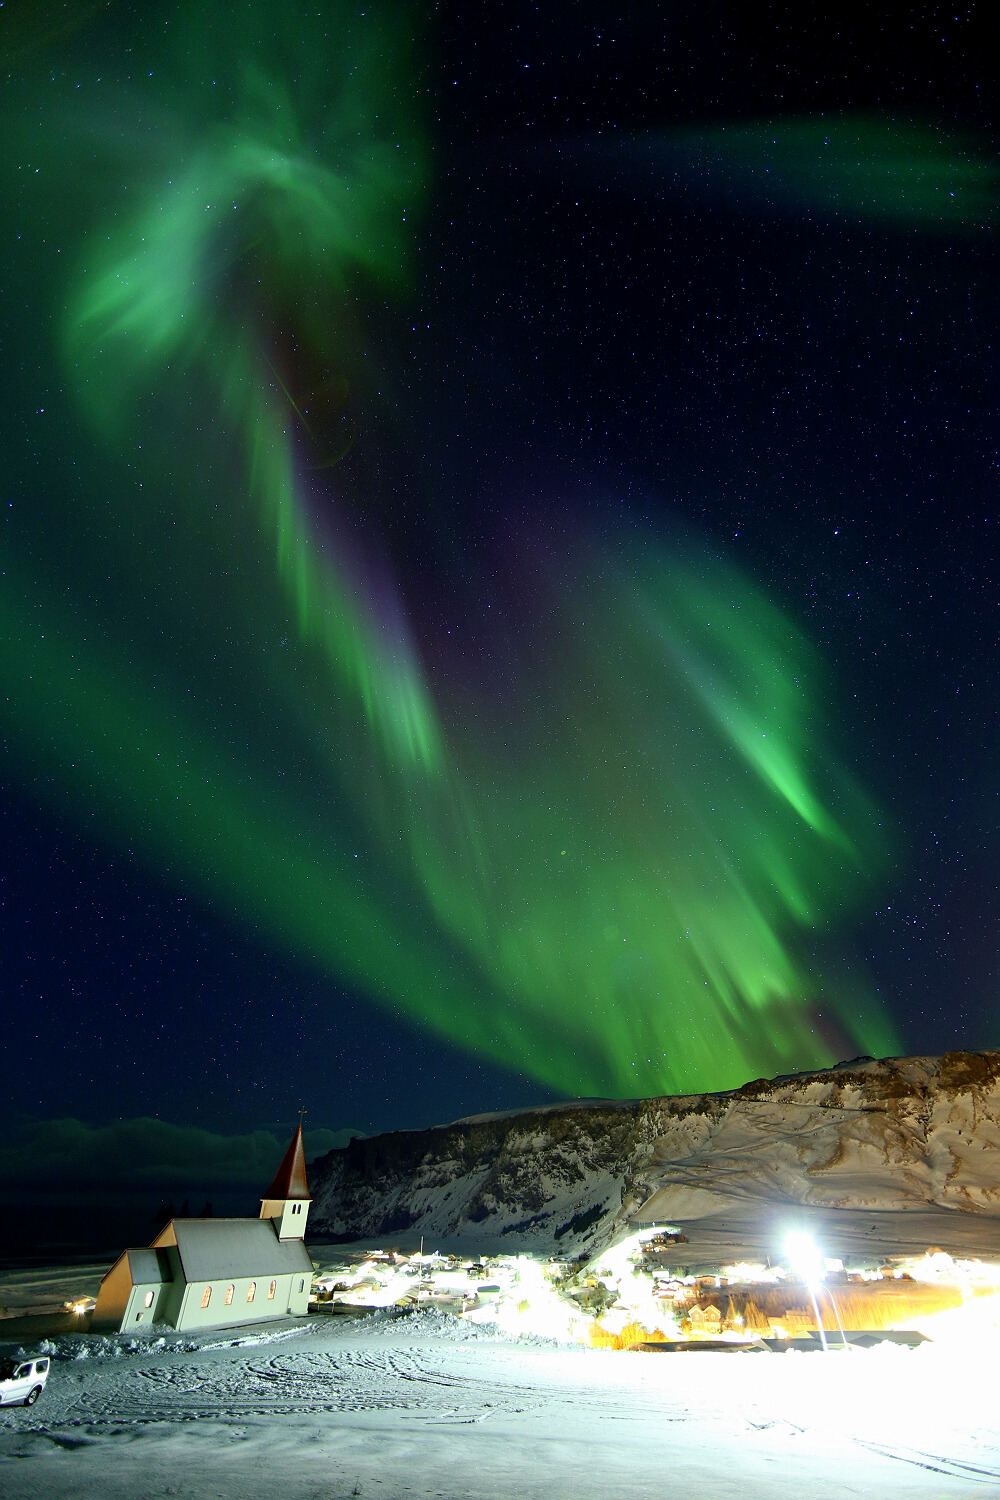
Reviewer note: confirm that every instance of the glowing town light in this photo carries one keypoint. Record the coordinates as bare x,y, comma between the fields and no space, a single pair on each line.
805,1259
807,1262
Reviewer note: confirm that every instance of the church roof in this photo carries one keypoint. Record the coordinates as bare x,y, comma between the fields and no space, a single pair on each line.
146,1266
290,1179
231,1249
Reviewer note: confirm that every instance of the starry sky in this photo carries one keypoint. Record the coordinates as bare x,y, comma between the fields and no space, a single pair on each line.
498,564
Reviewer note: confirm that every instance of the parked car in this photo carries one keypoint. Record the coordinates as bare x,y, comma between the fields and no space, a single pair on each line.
22,1381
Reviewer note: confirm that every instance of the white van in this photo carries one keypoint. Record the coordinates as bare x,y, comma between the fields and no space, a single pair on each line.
22,1381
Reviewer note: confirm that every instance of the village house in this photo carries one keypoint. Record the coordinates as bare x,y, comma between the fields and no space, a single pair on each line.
208,1273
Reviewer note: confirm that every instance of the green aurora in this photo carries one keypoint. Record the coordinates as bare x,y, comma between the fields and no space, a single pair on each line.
848,169
609,873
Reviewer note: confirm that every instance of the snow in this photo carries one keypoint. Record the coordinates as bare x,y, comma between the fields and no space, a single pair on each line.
426,1405
536,1109
901,1139
26,1288
833,1146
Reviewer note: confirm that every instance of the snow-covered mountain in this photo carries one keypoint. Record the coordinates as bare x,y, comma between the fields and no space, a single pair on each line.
913,1136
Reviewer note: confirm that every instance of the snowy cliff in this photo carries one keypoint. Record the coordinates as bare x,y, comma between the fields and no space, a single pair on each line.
892,1136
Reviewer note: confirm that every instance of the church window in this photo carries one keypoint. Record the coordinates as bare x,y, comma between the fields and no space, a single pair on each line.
301,1285
251,1291
230,1289
206,1296
271,1291
149,1299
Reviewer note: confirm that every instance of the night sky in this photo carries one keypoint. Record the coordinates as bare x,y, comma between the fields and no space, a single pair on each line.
498,542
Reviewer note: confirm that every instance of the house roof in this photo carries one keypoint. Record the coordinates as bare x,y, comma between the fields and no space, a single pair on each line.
290,1178
221,1249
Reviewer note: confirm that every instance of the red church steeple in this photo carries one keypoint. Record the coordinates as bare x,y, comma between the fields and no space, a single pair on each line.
288,1198
290,1179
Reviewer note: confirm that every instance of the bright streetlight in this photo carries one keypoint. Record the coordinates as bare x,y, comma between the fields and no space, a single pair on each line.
806,1261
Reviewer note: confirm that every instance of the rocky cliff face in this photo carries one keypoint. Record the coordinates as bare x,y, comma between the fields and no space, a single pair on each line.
894,1135
548,1178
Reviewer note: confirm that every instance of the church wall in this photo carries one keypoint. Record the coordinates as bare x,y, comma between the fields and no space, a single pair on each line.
298,1301
113,1297
291,1216
136,1314
191,1314
174,1293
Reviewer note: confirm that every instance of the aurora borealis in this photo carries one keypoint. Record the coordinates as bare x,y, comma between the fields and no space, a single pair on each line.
521,750
860,169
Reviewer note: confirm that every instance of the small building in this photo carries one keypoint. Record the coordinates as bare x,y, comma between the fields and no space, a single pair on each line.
207,1273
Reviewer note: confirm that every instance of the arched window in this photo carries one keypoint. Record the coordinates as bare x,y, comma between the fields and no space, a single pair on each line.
301,1285
149,1299
230,1289
206,1296
251,1291
271,1291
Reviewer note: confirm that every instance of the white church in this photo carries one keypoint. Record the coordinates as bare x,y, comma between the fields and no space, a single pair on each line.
207,1273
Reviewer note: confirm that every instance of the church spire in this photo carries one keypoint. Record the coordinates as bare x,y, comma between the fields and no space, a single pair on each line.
290,1180
288,1198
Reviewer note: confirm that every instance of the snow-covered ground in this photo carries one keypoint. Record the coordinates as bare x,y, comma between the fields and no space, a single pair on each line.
425,1405
25,1288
